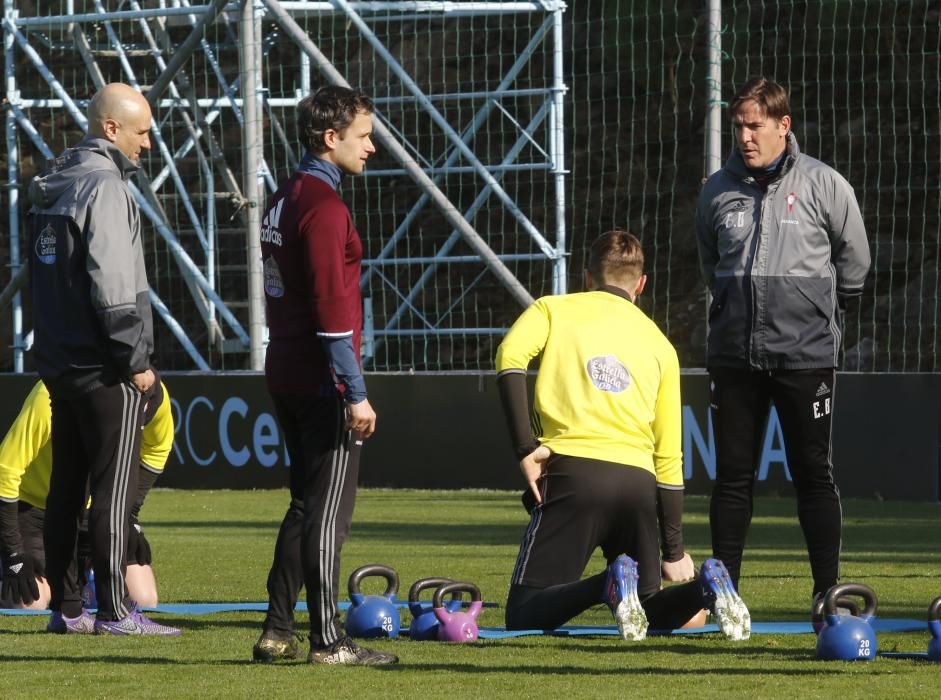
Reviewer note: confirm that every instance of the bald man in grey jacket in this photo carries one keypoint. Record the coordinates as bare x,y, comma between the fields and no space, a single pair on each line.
93,341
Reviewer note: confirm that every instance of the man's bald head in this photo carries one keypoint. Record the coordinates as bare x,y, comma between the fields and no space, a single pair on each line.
120,114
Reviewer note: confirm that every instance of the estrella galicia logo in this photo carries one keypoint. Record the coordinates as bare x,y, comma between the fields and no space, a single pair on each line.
46,246
274,286
608,374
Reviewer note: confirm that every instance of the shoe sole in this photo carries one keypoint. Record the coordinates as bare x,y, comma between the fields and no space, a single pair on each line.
263,658
384,661
140,632
630,615
632,621
73,631
729,609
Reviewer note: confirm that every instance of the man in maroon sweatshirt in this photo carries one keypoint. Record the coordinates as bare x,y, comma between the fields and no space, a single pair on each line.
312,255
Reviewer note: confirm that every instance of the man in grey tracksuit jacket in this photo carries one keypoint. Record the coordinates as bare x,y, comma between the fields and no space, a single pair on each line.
782,246
93,343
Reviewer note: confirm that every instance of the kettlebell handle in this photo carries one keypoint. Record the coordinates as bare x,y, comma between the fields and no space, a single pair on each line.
934,610
453,587
425,583
844,602
386,572
851,589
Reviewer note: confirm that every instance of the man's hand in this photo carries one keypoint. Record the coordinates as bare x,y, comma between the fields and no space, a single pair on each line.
143,380
19,579
138,548
533,465
682,570
361,417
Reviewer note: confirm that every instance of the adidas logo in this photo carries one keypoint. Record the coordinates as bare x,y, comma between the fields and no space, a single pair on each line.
823,389
15,568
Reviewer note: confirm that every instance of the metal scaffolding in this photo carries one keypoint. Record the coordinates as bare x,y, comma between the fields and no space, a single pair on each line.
194,172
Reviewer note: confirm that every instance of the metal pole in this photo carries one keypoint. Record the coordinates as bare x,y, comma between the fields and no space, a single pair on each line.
252,131
182,52
713,109
388,140
18,281
557,146
16,271
714,89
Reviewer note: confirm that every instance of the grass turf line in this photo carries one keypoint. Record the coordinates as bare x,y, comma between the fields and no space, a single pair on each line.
214,546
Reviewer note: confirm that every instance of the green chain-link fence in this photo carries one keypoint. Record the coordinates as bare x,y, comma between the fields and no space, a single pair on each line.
864,86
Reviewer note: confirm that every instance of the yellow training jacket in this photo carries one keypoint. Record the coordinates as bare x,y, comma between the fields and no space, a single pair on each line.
608,386
26,451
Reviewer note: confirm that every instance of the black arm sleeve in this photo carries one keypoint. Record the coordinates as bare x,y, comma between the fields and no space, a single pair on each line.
10,541
670,515
145,481
515,401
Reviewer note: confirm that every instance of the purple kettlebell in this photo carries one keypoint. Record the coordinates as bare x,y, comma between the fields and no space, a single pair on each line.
457,626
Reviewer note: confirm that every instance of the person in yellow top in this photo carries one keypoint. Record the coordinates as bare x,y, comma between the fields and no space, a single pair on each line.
602,460
25,468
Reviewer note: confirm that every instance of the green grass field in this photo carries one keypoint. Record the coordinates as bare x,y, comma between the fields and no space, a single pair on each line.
216,547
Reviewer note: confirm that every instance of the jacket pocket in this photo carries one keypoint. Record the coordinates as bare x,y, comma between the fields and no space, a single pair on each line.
819,302
718,302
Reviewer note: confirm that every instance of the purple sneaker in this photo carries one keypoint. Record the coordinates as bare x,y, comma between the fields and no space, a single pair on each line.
134,623
620,594
60,624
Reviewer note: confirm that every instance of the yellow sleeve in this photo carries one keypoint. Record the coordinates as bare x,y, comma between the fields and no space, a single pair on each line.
157,438
526,339
28,435
667,425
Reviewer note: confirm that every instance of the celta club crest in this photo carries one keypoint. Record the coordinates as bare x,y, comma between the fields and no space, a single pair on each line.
608,374
46,246
274,286
791,198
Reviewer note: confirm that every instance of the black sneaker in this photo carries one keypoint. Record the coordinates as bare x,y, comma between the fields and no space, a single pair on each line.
268,649
347,652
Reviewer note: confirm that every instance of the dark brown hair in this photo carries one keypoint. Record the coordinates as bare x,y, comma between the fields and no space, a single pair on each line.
331,107
616,256
767,94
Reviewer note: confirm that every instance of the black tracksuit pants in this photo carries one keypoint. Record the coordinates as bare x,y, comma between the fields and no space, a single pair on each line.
740,403
324,471
95,449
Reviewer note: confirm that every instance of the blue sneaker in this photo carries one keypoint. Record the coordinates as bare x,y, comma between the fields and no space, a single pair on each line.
722,599
134,623
60,624
620,594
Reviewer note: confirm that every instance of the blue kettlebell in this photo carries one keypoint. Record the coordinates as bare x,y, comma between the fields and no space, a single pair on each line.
424,625
847,637
934,625
373,616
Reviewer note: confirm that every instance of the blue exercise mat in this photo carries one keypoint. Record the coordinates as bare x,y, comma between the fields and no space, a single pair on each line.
209,608
880,624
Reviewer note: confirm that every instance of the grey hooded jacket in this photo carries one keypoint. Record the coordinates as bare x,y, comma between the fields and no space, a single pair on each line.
93,323
777,261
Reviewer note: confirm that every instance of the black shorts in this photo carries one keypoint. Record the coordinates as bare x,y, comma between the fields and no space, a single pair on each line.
30,520
589,503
